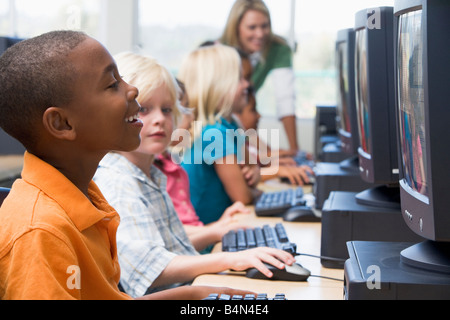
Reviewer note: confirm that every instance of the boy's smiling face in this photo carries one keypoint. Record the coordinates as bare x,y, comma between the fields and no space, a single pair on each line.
104,109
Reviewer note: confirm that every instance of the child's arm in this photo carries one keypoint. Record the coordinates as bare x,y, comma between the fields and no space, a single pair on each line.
203,236
230,173
186,268
297,175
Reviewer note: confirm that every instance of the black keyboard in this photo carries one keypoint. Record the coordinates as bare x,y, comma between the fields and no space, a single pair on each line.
261,296
278,202
267,236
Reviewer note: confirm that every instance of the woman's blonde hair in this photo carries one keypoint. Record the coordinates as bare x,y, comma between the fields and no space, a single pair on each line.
146,74
230,35
211,76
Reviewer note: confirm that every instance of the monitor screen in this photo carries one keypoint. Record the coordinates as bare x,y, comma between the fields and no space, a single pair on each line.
362,101
422,86
411,101
343,86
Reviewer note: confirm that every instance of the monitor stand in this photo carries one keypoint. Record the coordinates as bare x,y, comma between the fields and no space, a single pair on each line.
428,255
376,270
342,176
344,219
381,196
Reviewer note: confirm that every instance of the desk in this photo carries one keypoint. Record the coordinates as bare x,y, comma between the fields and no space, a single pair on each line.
307,237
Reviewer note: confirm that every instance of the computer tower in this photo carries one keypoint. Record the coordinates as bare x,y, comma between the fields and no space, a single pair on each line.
325,128
332,152
374,271
341,176
344,219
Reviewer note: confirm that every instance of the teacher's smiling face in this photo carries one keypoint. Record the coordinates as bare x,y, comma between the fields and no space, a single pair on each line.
253,31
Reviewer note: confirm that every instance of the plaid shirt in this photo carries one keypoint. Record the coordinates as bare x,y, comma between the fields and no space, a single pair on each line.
150,233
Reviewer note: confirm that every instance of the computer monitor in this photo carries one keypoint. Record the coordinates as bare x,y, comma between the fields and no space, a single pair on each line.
346,108
375,106
422,44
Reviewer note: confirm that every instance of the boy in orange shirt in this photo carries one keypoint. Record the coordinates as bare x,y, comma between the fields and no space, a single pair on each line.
62,97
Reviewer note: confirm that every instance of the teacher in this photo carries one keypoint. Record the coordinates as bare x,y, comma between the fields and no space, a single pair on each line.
249,29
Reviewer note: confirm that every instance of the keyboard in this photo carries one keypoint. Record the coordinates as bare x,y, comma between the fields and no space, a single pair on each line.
261,296
301,158
266,236
276,203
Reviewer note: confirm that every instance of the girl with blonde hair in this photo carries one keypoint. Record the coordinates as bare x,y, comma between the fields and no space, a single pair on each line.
216,88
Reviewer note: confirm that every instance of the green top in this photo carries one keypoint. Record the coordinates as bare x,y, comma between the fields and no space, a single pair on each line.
279,56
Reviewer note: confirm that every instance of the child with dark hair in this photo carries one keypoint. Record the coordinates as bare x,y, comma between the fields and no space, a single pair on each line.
62,97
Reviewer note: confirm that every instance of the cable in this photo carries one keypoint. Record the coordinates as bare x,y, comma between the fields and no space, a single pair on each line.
324,277
321,257
324,258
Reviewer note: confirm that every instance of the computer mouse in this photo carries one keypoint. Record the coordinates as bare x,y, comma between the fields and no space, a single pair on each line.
296,272
301,214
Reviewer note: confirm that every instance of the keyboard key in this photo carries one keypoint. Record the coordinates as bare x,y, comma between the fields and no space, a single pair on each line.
250,236
281,232
260,296
241,241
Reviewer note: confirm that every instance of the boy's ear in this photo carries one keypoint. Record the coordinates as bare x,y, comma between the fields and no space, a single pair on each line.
56,122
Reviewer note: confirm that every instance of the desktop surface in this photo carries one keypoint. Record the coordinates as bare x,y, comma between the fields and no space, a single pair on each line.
307,237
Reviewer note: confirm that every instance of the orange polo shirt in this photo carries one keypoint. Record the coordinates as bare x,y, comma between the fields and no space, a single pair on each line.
54,242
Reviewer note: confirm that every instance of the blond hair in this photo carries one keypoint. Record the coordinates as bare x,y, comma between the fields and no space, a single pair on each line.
211,77
147,74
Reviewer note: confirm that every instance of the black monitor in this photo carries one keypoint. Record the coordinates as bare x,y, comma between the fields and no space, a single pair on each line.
346,108
422,44
375,106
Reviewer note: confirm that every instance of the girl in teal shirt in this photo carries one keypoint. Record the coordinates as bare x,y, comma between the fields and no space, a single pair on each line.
214,161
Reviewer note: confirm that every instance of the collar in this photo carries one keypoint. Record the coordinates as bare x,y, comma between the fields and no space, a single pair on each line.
165,162
81,211
118,163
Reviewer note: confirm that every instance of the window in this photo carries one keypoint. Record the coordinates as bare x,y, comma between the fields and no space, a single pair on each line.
170,29
28,18
5,21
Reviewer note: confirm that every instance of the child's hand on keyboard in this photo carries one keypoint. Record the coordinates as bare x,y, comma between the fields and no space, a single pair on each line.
193,293
257,257
296,175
